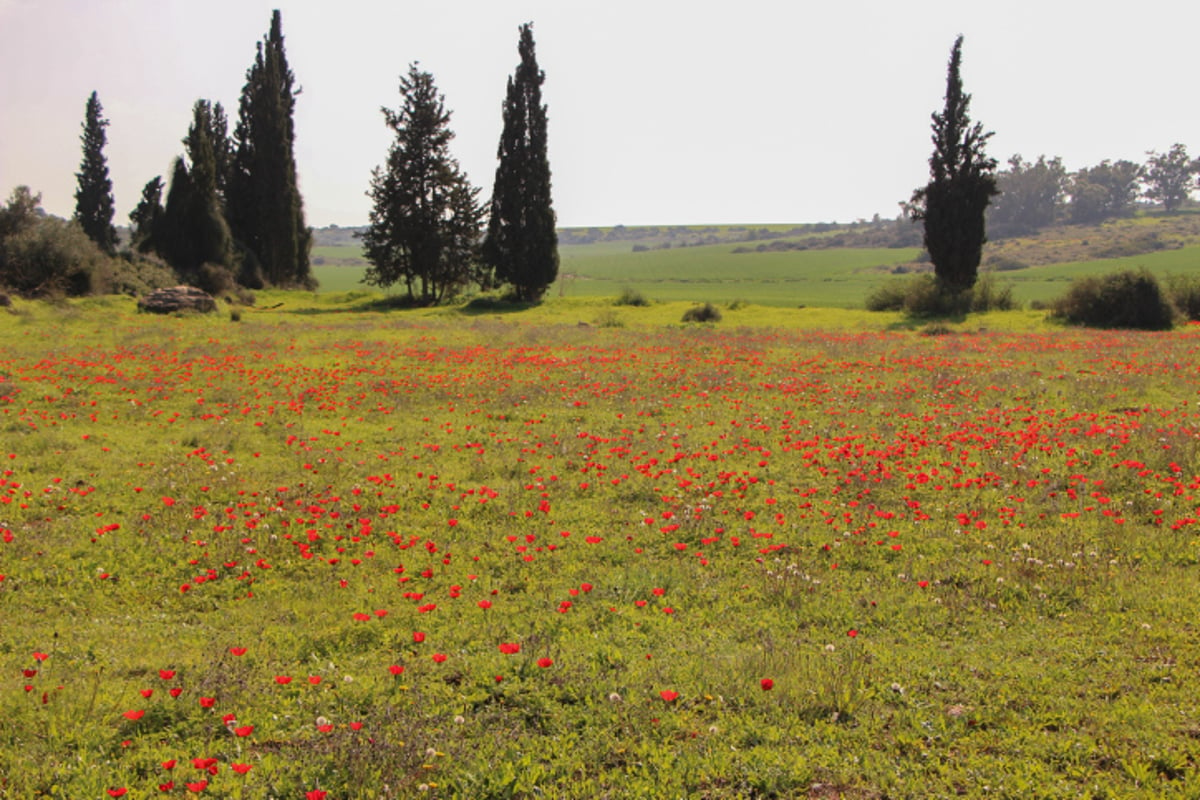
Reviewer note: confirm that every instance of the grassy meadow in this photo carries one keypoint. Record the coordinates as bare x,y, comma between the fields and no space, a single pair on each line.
325,552
719,264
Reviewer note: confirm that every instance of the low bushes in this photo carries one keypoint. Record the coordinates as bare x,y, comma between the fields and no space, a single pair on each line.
1125,299
923,296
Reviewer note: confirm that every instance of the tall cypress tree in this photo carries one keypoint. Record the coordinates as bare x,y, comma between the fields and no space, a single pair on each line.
93,198
263,200
521,247
192,230
961,184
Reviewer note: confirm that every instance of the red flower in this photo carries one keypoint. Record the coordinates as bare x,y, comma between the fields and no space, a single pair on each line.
315,794
283,680
852,632
245,730
175,692
241,769
207,702
668,696
166,674
169,764
43,657
238,651
134,715
508,648
439,657
485,604
117,792
545,662
146,693
396,669
767,684
197,787
418,637
314,679
166,787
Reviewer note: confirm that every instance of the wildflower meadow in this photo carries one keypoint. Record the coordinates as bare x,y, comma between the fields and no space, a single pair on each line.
350,555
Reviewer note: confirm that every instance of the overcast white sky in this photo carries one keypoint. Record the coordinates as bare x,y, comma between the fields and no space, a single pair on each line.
661,112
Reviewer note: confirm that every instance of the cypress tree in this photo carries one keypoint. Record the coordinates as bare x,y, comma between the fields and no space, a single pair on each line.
521,247
961,185
145,218
193,231
93,198
263,200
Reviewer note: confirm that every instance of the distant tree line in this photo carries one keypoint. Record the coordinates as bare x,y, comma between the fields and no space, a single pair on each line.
1042,193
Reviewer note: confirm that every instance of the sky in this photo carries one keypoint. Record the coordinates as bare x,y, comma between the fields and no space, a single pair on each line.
660,111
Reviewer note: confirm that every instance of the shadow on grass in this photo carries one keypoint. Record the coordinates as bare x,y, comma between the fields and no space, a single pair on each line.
475,307
495,305
912,322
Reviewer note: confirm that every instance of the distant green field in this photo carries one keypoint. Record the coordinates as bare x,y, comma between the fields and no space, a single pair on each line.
832,278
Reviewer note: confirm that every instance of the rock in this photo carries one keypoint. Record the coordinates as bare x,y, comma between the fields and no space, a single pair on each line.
177,298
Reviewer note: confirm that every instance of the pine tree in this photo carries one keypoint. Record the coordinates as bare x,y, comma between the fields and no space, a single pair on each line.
962,184
521,247
426,217
93,198
263,202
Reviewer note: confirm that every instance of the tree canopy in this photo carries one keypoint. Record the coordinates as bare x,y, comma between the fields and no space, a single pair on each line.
94,198
426,218
962,183
521,247
262,197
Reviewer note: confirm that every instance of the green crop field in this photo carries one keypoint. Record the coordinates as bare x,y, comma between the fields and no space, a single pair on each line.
836,277
312,551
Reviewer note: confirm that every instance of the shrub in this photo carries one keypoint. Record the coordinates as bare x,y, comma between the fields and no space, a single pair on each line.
986,295
136,274
631,297
1125,299
1184,291
705,313
922,296
53,257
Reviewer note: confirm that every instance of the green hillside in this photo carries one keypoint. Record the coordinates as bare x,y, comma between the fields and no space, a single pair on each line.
822,265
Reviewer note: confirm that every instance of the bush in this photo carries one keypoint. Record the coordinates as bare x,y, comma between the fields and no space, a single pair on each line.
136,274
1184,291
631,297
986,295
53,258
1125,299
705,313
922,296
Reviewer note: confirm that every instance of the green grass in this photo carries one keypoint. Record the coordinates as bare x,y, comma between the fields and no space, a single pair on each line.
963,561
831,278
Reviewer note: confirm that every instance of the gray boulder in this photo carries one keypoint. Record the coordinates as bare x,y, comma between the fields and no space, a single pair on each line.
177,298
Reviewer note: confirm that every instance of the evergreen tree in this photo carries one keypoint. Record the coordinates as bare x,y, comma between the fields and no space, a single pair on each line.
93,198
145,218
521,247
266,211
426,218
961,185
193,231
